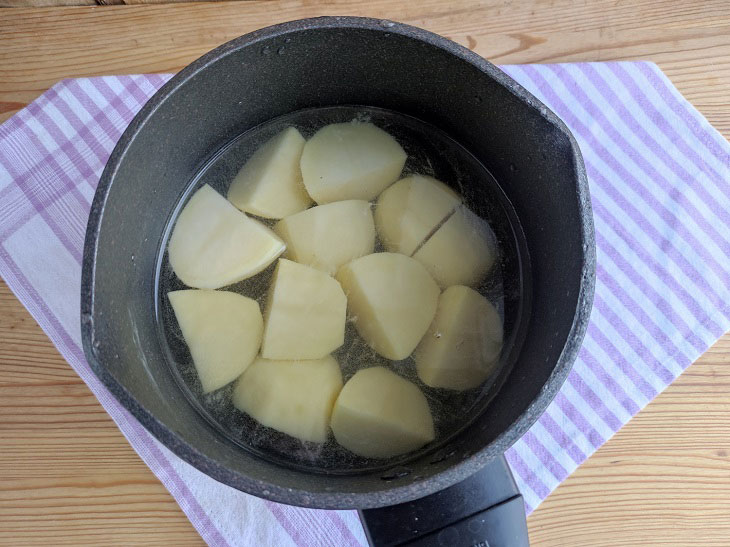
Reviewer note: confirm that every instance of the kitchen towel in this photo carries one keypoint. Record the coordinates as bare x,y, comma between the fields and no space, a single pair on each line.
659,178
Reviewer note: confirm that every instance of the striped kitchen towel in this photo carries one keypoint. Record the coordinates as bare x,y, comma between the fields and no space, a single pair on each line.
660,183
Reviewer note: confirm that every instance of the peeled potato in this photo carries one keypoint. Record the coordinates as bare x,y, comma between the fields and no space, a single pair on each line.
410,210
222,330
378,414
462,346
214,244
294,397
270,183
461,252
393,299
304,317
350,161
327,236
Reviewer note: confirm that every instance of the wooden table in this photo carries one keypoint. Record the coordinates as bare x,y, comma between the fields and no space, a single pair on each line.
68,475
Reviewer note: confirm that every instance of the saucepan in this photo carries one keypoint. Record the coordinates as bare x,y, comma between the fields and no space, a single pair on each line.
533,190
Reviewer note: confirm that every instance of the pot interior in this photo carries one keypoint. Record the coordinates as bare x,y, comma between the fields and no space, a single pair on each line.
430,152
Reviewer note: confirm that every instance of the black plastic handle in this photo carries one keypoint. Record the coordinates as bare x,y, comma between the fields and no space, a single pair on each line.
485,510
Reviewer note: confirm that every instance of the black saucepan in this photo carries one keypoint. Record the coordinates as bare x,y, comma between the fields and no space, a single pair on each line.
458,492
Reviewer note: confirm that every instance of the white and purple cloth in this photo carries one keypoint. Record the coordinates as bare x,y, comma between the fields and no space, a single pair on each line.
659,178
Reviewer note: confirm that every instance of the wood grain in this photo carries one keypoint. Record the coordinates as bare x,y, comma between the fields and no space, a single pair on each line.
689,40
61,3
664,479
69,477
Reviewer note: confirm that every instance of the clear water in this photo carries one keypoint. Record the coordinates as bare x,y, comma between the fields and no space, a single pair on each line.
430,152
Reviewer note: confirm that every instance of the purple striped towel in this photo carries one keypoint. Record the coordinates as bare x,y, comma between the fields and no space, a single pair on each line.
660,184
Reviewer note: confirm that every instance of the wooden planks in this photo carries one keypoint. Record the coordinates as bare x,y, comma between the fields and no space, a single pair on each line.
68,475
61,3
664,479
39,47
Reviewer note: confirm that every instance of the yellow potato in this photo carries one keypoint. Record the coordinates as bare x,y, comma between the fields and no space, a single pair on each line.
213,244
270,183
294,397
222,330
461,252
304,317
392,299
327,236
378,414
352,160
461,348
409,211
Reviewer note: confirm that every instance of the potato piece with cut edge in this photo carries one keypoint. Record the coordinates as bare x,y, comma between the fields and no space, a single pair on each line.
305,313
294,397
222,330
410,210
393,299
353,160
461,252
213,244
378,414
270,183
462,346
327,236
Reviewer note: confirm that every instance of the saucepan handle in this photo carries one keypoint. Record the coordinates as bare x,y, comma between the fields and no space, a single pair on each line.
485,510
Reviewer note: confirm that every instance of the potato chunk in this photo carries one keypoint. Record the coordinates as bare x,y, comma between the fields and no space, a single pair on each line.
378,414
461,348
352,160
270,183
304,317
410,210
222,330
461,252
327,236
294,397
393,299
214,244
